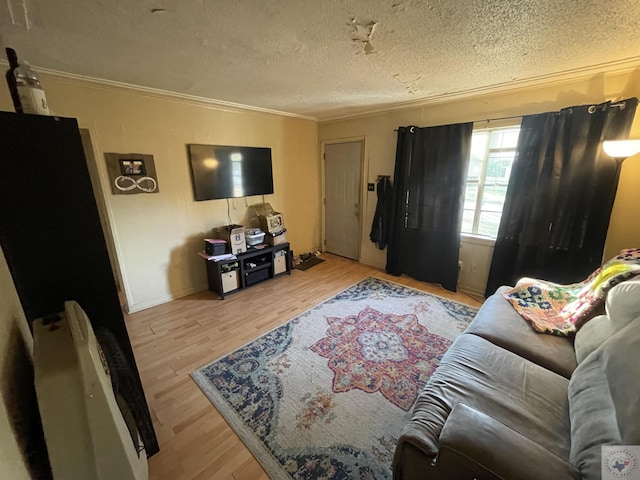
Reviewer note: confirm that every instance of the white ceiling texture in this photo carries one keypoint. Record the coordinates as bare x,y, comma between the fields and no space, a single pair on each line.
323,58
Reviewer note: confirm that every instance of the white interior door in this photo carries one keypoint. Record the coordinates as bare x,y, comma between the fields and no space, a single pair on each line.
342,198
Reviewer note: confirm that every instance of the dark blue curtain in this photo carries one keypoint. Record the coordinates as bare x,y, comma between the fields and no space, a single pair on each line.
428,197
560,195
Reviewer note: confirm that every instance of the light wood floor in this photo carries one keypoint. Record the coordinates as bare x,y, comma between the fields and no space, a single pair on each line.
174,339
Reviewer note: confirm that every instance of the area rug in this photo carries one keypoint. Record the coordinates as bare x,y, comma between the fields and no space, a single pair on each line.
325,395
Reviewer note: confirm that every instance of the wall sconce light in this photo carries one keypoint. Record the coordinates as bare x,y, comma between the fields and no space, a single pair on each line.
621,148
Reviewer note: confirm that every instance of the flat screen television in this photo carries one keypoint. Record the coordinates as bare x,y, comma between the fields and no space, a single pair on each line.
222,171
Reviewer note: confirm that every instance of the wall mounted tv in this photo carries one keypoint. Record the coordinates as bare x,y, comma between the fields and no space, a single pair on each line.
222,171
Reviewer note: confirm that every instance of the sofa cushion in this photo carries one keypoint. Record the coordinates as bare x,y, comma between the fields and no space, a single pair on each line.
498,322
523,396
623,303
592,335
603,397
622,306
491,448
593,421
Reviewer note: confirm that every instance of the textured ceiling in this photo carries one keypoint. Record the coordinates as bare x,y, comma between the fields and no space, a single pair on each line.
321,58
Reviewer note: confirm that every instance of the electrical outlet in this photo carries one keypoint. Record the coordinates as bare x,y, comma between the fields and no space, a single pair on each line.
371,187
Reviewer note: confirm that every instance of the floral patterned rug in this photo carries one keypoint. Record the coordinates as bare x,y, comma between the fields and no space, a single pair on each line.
325,395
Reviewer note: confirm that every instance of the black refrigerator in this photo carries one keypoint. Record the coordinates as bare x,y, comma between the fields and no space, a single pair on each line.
52,239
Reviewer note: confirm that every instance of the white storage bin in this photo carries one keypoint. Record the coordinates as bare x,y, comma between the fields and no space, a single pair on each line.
279,264
254,236
229,281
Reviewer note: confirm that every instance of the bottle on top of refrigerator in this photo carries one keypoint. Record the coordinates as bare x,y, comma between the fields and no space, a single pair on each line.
25,87
11,79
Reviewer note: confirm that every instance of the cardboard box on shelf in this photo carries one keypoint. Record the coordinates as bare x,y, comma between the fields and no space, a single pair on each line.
273,223
276,239
264,216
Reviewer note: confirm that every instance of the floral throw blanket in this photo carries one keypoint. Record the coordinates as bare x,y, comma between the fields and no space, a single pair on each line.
560,309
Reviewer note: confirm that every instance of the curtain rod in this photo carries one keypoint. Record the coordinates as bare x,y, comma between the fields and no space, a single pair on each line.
621,105
592,108
485,120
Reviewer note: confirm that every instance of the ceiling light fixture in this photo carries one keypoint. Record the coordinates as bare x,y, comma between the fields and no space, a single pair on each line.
621,148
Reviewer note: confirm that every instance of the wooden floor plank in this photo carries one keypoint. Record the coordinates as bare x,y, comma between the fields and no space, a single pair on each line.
174,339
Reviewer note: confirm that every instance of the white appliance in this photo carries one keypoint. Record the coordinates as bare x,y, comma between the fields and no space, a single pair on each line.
86,434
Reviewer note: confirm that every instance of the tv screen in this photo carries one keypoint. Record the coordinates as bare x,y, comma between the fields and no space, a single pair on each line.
221,171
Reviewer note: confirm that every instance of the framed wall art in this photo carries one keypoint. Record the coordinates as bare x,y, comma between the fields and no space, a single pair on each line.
131,173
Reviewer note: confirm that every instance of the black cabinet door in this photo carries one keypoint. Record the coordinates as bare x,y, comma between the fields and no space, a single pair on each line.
50,231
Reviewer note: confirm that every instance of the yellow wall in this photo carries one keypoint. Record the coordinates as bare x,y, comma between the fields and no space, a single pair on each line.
14,336
380,139
157,236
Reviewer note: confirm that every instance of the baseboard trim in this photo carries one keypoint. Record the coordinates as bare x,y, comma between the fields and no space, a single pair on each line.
471,291
138,306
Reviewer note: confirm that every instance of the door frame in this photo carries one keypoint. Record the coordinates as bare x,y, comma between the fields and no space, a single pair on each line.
96,174
361,190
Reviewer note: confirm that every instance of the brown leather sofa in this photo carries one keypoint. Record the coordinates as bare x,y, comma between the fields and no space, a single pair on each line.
509,403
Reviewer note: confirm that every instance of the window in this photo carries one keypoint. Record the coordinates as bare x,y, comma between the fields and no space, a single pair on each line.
492,153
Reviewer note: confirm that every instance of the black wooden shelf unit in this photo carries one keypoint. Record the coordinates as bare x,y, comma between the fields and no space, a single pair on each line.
248,268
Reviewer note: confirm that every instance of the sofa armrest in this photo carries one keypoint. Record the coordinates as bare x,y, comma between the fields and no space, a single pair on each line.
475,445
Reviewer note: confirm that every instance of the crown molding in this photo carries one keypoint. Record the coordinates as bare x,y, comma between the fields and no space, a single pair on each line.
567,76
164,94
